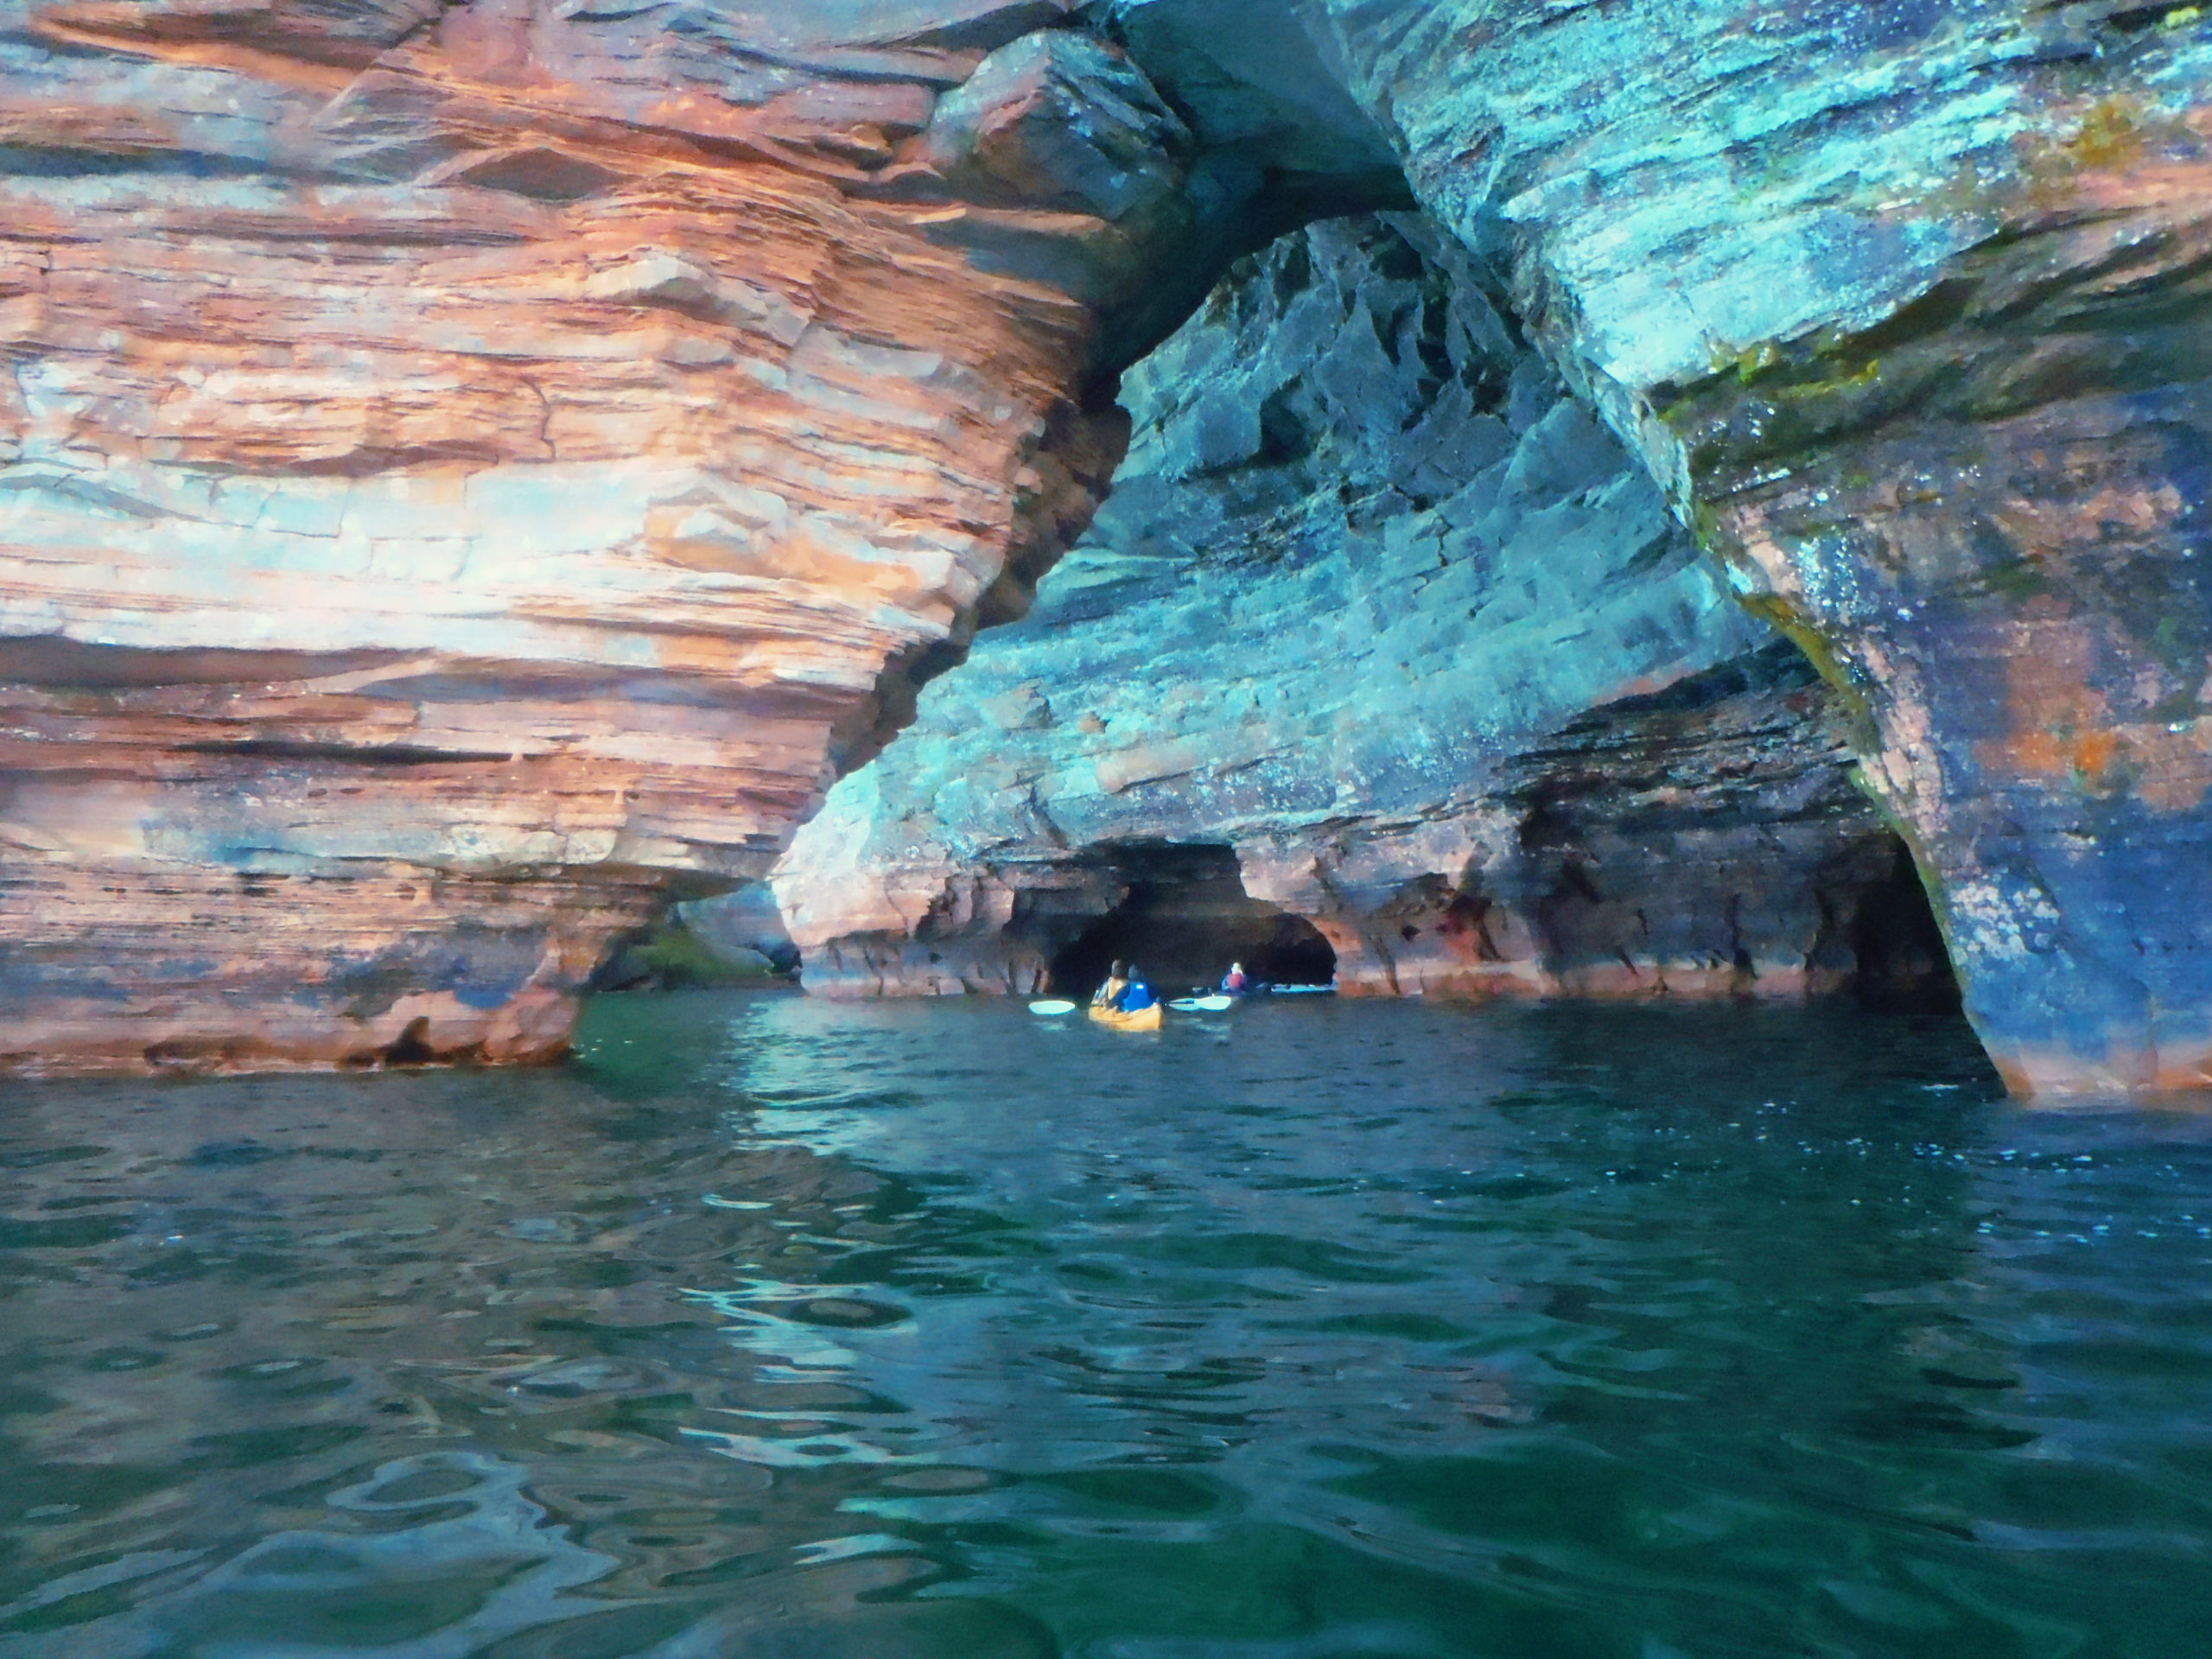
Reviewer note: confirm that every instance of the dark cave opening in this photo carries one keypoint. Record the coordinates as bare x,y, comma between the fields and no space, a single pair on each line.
1903,964
1184,920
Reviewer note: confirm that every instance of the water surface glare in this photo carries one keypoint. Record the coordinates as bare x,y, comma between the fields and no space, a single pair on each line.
789,1330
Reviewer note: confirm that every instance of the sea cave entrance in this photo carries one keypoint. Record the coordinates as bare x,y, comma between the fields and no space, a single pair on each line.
1901,964
1684,840
1184,919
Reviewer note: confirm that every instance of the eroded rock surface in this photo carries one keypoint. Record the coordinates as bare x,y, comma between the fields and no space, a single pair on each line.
473,473
1903,304
1380,609
1907,304
644,400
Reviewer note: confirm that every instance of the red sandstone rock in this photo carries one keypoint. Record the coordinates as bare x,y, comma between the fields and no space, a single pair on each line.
473,473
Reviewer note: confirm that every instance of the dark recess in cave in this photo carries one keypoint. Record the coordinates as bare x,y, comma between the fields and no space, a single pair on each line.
1186,917
412,1045
1903,964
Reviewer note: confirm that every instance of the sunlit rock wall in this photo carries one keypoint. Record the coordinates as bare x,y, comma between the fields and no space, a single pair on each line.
470,474
1379,606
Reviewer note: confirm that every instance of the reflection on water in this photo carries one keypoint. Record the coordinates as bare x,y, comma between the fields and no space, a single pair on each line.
934,1332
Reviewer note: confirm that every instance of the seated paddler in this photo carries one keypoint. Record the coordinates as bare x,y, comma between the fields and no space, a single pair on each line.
1109,994
1137,995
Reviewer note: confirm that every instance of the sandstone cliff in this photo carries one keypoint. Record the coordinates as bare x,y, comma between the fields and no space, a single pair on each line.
473,472
477,471
1381,614
1905,305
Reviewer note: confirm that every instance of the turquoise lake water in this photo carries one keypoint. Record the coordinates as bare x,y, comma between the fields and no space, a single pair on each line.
786,1330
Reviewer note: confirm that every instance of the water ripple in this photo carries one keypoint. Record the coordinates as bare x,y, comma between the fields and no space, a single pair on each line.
914,1332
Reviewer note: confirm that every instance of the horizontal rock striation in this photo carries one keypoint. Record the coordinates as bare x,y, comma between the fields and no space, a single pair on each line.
610,415
1380,610
473,473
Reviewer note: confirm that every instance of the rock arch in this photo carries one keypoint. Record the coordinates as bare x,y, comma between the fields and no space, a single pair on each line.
625,408
1381,628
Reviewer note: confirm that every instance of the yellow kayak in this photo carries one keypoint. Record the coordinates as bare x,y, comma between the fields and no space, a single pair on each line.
1113,1019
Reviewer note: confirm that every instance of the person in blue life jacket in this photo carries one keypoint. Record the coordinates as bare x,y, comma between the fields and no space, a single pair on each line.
1234,981
1137,995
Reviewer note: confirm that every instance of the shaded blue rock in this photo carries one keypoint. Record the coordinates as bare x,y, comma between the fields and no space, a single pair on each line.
1360,586
743,928
1903,305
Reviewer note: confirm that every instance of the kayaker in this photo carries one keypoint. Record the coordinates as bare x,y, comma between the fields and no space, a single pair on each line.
1137,995
1109,995
1234,981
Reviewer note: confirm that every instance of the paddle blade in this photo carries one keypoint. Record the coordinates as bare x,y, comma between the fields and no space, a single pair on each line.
1051,1006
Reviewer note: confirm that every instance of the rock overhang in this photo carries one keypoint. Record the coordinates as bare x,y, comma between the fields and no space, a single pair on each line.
737,183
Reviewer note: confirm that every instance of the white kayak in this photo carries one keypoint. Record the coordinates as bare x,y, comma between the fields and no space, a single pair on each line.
1217,1004
1051,1006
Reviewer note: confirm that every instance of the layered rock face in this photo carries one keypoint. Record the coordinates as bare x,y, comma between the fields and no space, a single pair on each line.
1396,626
1902,304
473,472
1907,305
564,435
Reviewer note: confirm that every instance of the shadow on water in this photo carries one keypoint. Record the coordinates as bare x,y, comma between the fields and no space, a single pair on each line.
914,1331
